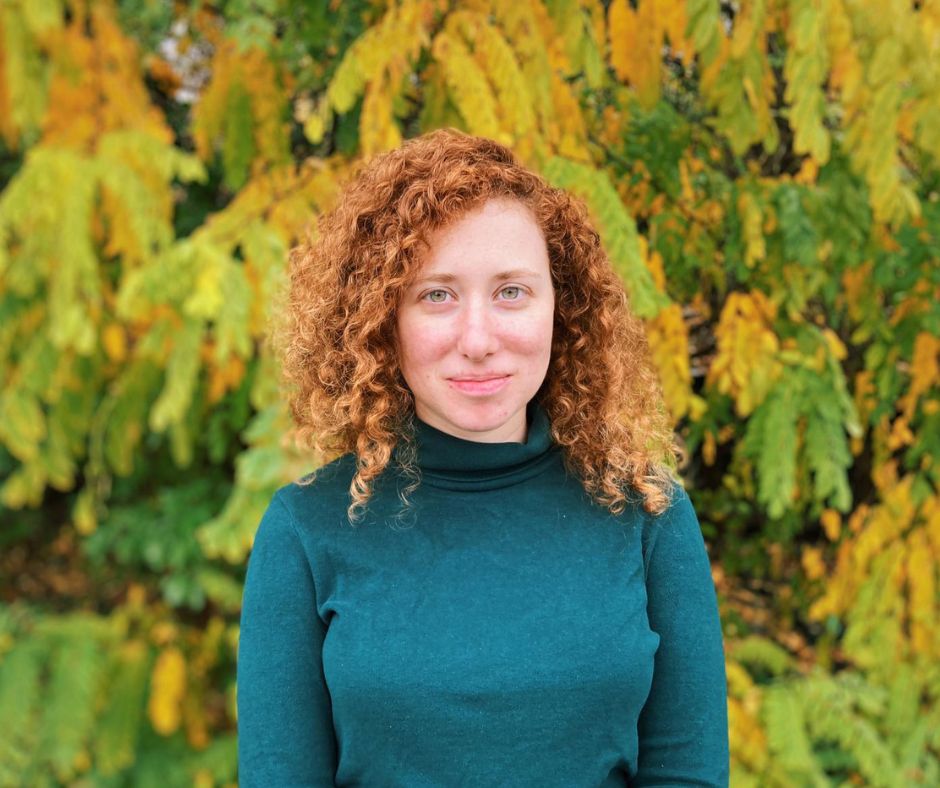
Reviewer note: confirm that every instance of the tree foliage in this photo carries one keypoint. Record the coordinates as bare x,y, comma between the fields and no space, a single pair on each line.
766,179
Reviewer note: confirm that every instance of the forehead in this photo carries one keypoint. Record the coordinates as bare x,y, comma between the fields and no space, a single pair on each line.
498,232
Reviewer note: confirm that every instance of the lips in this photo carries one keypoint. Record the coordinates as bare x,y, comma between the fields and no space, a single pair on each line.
477,385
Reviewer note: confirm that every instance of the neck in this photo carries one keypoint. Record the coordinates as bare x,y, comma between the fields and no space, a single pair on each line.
451,461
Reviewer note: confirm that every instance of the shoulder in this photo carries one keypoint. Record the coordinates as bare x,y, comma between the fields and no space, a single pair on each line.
676,530
319,498
679,508
301,520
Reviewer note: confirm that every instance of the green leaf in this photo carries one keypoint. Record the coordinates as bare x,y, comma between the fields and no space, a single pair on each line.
20,671
238,148
617,228
182,371
68,716
771,439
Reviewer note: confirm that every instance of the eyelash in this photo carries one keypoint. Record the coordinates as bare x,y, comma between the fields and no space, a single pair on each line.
440,290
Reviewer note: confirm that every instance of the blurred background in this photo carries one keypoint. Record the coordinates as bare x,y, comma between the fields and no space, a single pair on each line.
765,177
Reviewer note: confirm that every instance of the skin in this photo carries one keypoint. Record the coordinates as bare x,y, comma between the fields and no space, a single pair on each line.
482,305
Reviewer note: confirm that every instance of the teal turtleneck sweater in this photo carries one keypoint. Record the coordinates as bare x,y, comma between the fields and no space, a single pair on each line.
510,633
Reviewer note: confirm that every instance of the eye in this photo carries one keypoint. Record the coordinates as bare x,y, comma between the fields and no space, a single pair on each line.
514,292
435,296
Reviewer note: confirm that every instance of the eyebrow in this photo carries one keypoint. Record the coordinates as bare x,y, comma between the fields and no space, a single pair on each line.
502,276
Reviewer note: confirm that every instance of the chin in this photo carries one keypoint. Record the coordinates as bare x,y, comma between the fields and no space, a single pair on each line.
485,417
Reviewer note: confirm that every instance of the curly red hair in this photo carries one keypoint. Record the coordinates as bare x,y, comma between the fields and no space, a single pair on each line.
336,336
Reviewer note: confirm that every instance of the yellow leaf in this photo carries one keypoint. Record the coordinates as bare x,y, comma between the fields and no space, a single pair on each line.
739,680
813,565
922,591
635,41
688,191
114,340
747,363
377,129
203,779
194,717
498,59
621,25
167,688
314,128
743,33
746,732
809,169
136,596
672,19
97,84
669,346
831,521
83,513
709,448
755,248
206,299
82,762
931,514
925,371
467,84
901,434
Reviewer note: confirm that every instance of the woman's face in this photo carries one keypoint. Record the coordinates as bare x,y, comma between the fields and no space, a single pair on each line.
474,330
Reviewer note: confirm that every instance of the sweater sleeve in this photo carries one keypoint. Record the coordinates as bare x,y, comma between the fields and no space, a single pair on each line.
683,727
285,726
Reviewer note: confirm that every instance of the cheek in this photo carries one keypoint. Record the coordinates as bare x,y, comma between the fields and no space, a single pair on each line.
421,344
531,337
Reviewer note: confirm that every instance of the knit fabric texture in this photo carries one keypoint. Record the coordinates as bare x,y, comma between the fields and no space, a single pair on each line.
508,631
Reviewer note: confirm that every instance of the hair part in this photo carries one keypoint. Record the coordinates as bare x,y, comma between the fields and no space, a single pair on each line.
335,336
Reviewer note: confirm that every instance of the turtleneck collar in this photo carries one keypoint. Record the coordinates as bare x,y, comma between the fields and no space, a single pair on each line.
459,464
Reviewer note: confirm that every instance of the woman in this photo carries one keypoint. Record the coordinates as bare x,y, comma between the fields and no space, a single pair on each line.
498,580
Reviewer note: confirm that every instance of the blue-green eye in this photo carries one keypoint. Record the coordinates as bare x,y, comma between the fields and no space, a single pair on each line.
431,296
514,290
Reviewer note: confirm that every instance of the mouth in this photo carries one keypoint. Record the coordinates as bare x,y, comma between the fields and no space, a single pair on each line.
479,385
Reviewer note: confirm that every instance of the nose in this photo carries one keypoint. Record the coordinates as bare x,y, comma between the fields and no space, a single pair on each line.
477,335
